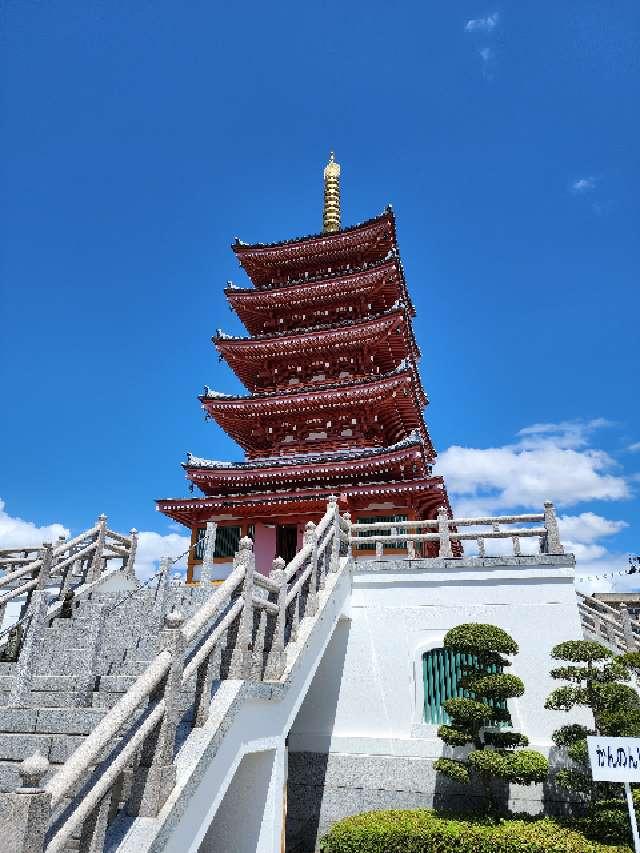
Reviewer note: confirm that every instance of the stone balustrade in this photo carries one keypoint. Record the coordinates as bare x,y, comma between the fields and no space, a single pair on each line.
67,567
613,626
444,530
246,629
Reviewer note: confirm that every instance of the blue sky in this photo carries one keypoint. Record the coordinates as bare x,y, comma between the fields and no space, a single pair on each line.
139,139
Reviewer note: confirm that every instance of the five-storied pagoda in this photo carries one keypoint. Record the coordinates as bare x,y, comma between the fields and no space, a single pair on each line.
335,399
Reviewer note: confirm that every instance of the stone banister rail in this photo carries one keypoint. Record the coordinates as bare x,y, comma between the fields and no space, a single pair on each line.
243,630
614,626
70,568
400,532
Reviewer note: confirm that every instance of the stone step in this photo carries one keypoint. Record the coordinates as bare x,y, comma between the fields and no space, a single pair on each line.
68,721
56,748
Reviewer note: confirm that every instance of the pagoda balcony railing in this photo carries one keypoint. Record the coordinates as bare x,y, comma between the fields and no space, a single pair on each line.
447,531
246,629
67,570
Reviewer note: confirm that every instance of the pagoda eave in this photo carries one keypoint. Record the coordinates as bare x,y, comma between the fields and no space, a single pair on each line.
267,362
267,263
375,466
425,495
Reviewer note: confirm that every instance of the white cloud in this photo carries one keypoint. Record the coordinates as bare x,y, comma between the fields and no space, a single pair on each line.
584,185
548,462
15,532
587,527
483,25
152,547
635,447
486,53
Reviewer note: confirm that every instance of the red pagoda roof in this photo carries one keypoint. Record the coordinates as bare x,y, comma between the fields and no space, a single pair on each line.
274,263
383,410
270,361
329,470
299,304
425,494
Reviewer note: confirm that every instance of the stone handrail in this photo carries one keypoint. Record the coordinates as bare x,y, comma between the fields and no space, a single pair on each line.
447,532
614,625
137,737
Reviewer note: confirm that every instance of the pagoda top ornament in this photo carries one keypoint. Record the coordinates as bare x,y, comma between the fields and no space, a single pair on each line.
331,210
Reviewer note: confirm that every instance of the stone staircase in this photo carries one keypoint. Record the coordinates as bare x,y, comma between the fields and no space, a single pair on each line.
85,664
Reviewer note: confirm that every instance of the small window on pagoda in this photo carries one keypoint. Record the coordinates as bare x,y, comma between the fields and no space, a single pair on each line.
442,671
227,542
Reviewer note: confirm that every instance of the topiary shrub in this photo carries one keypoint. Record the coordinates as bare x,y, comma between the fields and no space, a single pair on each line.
596,679
495,754
422,831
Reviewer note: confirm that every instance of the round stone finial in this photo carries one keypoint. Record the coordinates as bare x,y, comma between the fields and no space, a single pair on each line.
309,526
133,531
174,619
246,543
32,770
102,517
278,564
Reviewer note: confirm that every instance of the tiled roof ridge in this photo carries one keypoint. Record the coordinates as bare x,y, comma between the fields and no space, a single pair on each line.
398,305
414,438
392,255
386,213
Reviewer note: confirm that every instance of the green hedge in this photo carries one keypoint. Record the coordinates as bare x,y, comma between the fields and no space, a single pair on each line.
423,831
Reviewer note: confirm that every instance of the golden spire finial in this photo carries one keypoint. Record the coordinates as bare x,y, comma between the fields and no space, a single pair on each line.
331,211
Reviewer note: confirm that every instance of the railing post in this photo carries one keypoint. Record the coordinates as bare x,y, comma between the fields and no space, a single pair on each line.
346,517
332,506
443,530
379,550
516,545
241,657
311,538
206,570
277,656
34,634
480,542
627,628
31,808
411,549
164,583
131,559
155,780
97,562
94,828
553,534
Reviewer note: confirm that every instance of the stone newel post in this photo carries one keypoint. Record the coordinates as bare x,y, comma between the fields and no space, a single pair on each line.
97,562
206,570
332,506
277,656
31,808
443,530
242,656
311,538
130,567
155,778
553,534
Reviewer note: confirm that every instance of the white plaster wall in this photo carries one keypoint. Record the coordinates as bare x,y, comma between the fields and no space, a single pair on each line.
250,816
367,694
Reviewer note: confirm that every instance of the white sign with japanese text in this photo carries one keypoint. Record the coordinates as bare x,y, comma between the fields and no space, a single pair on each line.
614,759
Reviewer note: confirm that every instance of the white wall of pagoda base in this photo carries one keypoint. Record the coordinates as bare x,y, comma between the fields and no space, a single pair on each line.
362,721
